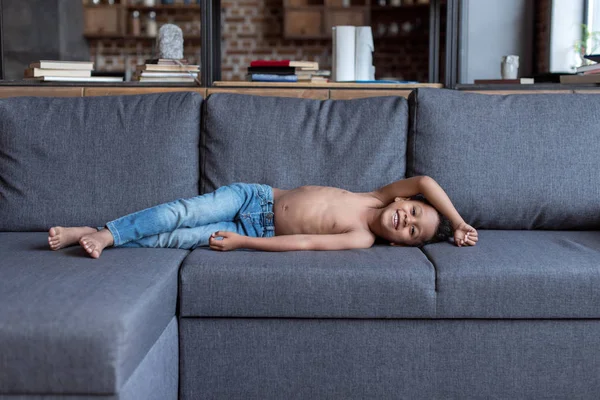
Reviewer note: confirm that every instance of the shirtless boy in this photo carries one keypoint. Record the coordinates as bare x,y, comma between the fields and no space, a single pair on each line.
255,216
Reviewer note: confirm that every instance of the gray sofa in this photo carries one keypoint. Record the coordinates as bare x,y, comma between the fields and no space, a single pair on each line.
516,317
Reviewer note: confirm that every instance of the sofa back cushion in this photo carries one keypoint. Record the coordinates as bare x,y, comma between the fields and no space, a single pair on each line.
285,142
510,162
85,161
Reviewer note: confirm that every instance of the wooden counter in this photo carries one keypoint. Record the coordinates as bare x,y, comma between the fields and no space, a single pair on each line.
319,91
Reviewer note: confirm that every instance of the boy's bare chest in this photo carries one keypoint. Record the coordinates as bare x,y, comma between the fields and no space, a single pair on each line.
320,210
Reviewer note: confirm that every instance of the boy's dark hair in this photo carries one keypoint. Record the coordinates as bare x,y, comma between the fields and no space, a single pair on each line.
444,230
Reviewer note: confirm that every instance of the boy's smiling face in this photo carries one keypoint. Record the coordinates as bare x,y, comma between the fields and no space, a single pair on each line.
409,222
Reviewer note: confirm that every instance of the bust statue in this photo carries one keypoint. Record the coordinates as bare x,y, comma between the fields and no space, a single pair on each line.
170,42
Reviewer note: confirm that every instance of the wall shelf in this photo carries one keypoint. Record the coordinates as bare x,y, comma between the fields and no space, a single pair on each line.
100,36
398,8
161,7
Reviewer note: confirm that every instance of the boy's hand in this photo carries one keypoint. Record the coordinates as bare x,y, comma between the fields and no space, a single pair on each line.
230,241
465,235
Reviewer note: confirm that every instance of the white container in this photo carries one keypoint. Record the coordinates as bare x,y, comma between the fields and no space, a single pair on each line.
509,68
151,26
149,3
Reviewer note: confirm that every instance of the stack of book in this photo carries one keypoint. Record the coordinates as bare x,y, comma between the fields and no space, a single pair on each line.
167,70
522,81
65,71
285,71
585,73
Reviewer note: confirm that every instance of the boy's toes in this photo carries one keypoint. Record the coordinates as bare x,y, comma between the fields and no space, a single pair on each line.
85,244
90,247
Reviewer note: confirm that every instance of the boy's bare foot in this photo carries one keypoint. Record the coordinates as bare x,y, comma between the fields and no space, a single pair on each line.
95,242
59,237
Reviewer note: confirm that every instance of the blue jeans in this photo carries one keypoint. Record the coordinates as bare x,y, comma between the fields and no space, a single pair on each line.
246,209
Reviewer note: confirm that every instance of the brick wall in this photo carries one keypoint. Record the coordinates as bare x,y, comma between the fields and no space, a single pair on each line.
253,29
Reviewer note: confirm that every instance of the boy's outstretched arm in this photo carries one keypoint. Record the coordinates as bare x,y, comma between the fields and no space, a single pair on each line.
403,188
341,241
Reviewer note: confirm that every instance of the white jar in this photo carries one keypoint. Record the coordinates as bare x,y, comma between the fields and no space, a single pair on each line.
509,68
151,27
149,3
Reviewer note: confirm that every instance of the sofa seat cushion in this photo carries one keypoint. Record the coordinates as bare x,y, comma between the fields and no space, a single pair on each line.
357,145
381,282
519,274
70,324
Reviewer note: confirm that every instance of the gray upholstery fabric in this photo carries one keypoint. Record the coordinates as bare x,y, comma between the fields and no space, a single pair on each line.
85,161
157,376
229,358
358,145
70,324
381,282
526,274
510,162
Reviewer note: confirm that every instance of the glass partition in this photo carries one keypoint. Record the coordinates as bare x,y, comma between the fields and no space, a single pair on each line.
301,30
117,35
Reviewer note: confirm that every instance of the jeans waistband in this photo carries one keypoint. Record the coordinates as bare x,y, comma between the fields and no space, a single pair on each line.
267,218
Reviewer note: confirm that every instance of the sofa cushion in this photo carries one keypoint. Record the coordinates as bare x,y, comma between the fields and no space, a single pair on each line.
70,324
358,145
510,162
519,274
381,282
86,161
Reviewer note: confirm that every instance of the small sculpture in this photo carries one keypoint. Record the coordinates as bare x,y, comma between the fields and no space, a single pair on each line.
509,68
170,42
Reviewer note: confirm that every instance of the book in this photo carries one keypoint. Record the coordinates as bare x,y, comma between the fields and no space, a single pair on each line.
524,81
272,70
272,78
168,68
77,79
306,65
37,72
54,64
167,61
587,68
590,78
322,72
189,79
168,74
592,57
304,76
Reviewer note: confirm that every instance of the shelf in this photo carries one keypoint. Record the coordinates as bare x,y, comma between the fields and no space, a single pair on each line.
100,36
306,8
337,85
398,8
305,37
400,35
329,8
183,7
158,7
